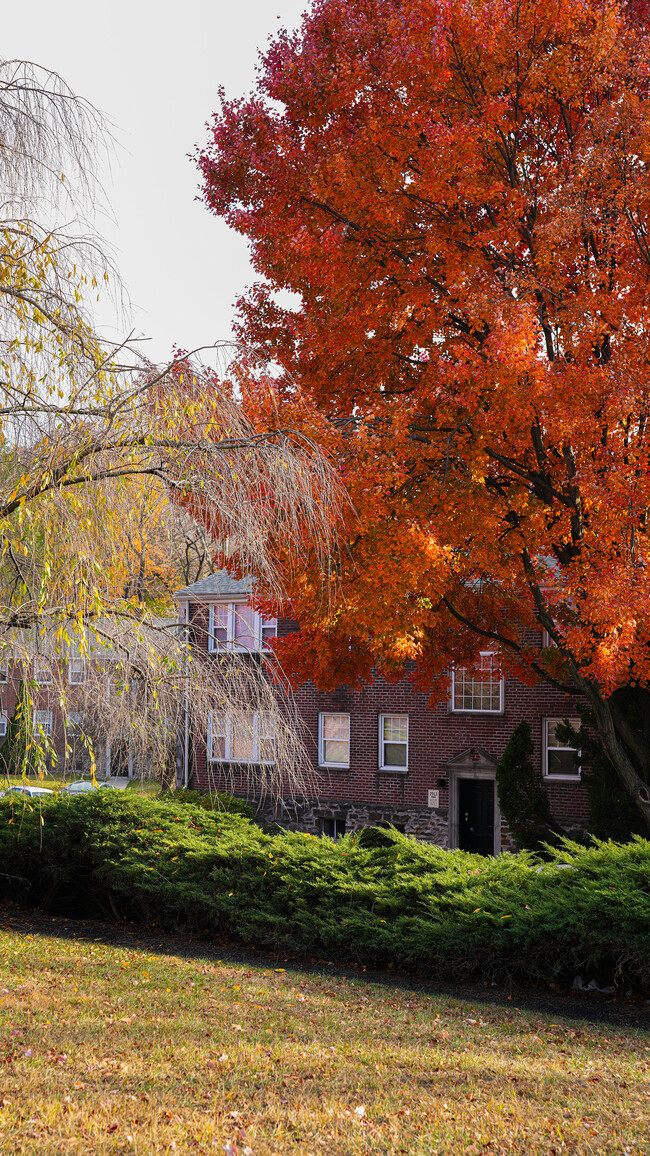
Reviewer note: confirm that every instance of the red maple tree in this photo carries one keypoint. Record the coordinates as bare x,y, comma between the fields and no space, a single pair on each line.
458,197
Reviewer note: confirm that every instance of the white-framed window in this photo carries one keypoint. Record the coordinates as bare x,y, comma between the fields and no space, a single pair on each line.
333,828
76,671
547,641
480,688
4,668
268,629
237,626
558,758
393,742
42,670
3,725
43,721
248,737
334,740
75,723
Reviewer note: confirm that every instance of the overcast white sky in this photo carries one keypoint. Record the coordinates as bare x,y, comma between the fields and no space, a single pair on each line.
154,70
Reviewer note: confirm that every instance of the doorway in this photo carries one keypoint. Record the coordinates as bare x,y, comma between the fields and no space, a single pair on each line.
476,815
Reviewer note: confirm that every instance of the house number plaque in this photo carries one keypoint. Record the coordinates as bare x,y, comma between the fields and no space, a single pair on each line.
433,798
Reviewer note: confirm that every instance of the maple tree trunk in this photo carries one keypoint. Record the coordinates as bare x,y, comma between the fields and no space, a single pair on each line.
623,723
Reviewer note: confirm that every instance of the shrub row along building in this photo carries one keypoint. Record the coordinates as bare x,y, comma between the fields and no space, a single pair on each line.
380,755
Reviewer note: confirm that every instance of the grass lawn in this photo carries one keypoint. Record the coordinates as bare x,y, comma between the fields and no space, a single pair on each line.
128,1049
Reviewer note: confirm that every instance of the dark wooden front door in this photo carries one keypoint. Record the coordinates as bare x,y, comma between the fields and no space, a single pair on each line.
476,815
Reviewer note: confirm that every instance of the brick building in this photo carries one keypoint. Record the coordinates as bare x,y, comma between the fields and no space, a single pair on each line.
381,754
72,703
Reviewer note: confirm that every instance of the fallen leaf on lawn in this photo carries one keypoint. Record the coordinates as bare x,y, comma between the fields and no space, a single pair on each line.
171,1118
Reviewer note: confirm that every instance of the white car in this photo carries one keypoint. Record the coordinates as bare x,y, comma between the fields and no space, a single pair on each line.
83,786
30,792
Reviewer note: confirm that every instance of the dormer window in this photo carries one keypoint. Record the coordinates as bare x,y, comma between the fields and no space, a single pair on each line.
236,626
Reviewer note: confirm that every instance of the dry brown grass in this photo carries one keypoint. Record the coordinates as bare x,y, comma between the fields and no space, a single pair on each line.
122,1050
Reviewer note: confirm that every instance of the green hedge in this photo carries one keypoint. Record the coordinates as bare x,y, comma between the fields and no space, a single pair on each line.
214,801
378,899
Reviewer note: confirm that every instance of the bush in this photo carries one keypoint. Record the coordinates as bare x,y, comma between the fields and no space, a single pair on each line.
523,798
214,801
394,902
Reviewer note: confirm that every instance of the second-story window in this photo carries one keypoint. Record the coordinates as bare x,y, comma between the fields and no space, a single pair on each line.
42,670
479,688
334,740
237,626
243,627
76,671
268,630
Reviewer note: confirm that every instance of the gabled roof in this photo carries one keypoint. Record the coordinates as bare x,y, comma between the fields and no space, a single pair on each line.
219,584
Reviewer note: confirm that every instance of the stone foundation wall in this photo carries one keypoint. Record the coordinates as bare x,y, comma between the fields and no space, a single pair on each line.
425,824
429,825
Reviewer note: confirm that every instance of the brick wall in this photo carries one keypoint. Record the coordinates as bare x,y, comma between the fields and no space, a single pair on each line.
364,794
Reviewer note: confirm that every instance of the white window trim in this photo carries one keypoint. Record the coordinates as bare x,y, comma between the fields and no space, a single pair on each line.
41,660
4,723
230,644
76,681
75,730
472,709
546,747
46,727
255,761
4,669
321,742
402,770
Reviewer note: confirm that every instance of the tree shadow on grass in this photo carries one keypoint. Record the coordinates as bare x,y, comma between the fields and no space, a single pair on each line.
616,1011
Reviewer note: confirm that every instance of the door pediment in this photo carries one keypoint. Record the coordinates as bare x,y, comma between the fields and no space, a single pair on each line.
472,759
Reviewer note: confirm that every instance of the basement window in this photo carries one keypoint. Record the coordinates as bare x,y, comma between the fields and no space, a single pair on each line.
333,828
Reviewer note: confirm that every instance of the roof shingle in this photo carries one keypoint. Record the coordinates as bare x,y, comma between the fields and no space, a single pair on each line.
216,584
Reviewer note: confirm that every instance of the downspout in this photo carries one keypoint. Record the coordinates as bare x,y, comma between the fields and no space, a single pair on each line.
183,615
187,745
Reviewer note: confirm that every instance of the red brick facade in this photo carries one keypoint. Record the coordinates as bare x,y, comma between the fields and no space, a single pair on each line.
444,747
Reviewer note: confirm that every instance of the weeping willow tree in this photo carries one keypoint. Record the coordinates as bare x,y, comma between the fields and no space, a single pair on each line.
89,433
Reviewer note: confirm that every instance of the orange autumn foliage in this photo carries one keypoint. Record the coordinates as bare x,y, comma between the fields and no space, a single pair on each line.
458,194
